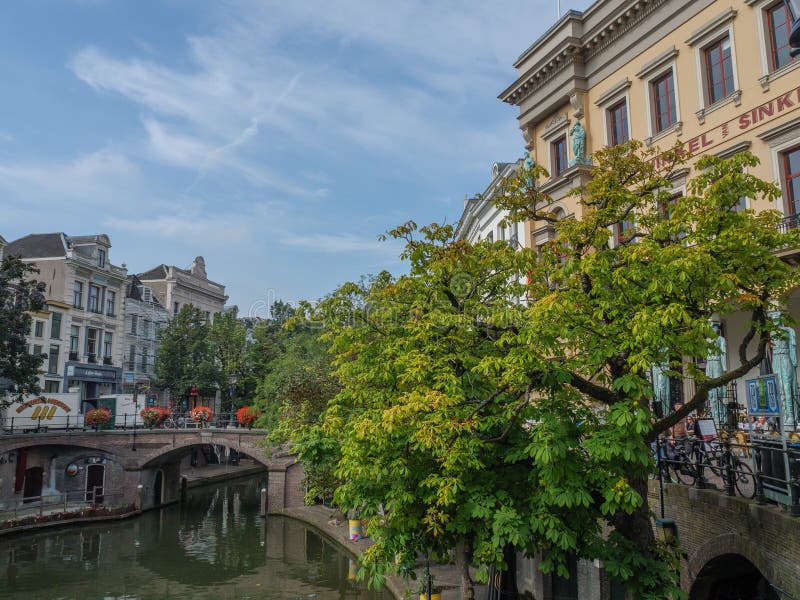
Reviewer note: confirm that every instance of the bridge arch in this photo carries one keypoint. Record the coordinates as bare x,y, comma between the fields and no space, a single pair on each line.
730,575
149,458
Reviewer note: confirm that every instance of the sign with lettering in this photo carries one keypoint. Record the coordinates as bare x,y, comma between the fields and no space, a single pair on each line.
741,124
763,396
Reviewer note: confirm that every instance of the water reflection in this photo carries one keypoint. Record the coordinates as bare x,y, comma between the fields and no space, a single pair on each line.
213,547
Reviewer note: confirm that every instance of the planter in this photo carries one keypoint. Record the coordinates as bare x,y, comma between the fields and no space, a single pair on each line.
434,596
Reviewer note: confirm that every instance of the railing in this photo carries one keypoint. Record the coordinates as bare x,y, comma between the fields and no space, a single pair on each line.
756,466
124,421
788,223
31,510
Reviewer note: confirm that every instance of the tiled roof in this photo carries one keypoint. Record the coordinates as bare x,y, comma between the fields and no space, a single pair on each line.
38,245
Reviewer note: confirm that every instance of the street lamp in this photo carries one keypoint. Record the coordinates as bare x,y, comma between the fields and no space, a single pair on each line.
793,6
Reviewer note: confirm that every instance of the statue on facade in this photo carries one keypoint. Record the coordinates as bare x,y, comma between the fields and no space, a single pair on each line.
784,365
578,134
661,388
716,365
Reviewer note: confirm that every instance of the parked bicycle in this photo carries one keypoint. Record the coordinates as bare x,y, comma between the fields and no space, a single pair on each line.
704,458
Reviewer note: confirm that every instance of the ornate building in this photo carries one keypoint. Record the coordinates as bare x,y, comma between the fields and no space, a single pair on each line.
713,75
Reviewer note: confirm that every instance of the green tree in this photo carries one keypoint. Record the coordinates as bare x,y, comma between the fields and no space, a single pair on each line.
185,356
227,338
19,294
472,418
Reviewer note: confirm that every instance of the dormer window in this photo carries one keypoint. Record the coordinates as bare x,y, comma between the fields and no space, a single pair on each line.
101,257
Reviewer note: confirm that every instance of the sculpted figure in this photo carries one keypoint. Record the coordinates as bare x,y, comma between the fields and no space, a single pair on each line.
716,365
578,134
661,388
784,365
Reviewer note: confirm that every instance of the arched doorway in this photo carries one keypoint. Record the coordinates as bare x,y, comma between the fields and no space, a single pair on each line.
33,484
731,577
158,489
95,481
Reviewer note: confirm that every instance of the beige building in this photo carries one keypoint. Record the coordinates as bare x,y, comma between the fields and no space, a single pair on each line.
81,327
174,287
713,75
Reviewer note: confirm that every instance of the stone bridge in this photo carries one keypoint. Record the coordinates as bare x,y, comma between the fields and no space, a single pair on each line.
146,458
725,538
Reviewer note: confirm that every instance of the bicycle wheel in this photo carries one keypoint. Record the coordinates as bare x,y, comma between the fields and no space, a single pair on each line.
744,481
684,471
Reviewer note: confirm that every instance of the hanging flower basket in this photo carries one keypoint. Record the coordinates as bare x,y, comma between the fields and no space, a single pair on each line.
153,416
202,414
247,415
97,417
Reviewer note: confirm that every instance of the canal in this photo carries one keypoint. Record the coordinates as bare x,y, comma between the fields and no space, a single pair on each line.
215,546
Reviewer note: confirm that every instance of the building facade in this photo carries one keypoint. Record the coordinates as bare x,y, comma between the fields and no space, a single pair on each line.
174,287
715,76
80,329
144,318
481,220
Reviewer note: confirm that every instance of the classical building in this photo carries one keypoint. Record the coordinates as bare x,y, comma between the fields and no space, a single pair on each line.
80,328
144,317
481,220
174,287
713,75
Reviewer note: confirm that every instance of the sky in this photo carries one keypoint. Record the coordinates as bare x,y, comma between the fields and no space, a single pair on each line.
276,139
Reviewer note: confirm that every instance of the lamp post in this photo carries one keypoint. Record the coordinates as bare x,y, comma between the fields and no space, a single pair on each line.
793,6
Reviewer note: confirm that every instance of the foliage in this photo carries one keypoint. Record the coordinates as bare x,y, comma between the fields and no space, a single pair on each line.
153,416
19,295
247,415
97,417
185,357
471,415
202,414
227,338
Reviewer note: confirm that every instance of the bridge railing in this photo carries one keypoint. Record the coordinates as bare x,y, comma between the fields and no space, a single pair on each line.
126,421
755,466
31,510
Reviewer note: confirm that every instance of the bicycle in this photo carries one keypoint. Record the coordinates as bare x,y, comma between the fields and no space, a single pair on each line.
720,461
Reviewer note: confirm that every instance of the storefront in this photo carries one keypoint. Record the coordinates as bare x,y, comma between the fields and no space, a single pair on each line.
94,381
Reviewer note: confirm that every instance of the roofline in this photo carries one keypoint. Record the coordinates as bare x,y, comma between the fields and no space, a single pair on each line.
570,14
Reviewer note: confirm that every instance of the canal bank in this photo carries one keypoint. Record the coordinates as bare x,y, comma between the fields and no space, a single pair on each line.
333,525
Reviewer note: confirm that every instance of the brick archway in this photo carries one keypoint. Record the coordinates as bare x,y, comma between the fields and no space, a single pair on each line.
720,545
147,458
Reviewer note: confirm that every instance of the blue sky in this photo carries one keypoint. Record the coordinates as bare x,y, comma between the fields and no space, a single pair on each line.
276,139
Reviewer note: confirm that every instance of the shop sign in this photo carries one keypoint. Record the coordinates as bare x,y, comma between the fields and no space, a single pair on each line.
75,371
762,396
737,126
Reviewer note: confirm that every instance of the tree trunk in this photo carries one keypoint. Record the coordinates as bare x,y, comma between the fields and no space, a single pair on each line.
463,552
637,527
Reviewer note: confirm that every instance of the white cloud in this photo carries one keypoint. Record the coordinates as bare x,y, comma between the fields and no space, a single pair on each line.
333,242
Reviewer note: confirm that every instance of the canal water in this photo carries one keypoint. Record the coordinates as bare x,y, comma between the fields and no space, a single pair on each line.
214,547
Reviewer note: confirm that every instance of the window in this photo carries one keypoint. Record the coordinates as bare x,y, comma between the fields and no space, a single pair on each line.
101,257
55,326
52,359
618,123
91,344
132,358
77,294
175,308
51,387
144,360
624,231
38,328
37,350
134,324
108,338
718,62
74,340
111,298
664,110
558,156
779,24
146,329
94,298
791,180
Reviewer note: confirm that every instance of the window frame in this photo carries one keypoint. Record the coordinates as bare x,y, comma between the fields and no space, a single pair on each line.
97,304
652,83
38,328
52,359
788,205
624,122
555,155
92,341
111,300
101,258
77,293
75,336
55,331
708,70
108,342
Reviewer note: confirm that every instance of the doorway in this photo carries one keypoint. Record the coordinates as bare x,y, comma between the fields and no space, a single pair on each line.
158,489
95,478
33,484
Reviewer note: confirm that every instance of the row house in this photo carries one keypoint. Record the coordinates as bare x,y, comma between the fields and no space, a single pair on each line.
716,76
144,318
80,328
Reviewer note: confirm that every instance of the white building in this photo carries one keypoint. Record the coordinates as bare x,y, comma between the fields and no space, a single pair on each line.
80,329
481,220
